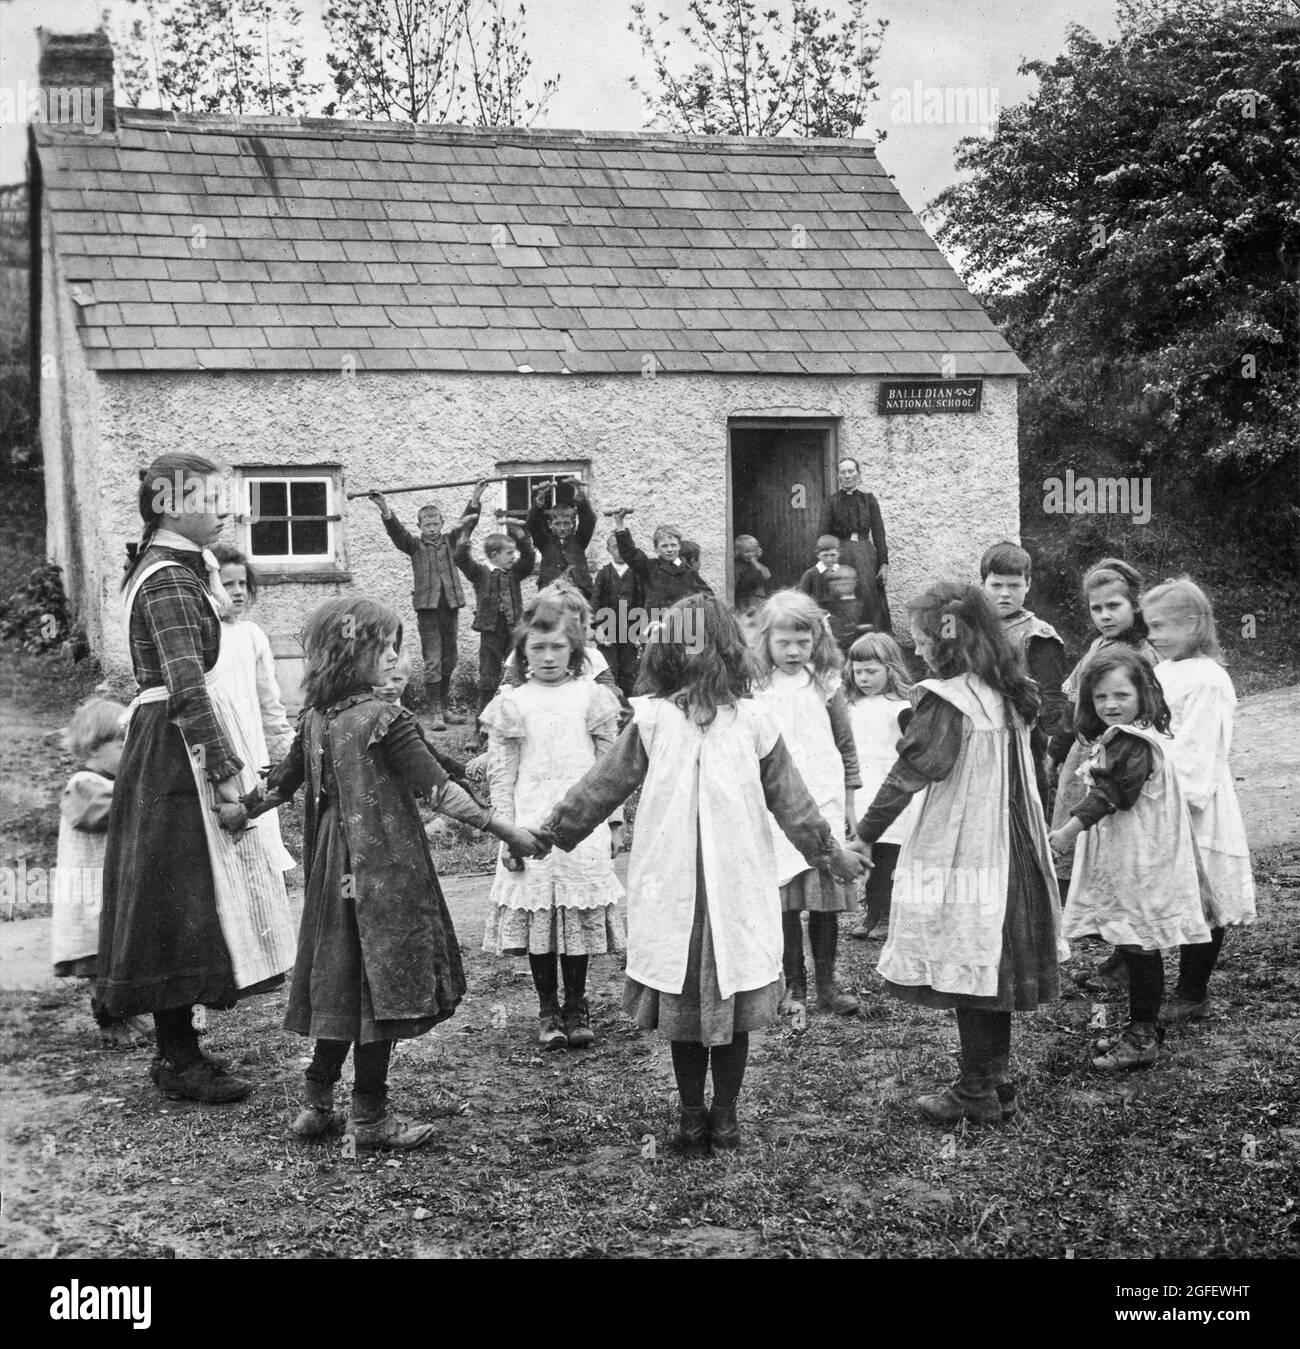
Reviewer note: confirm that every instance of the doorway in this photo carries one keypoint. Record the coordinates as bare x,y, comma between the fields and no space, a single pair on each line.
779,476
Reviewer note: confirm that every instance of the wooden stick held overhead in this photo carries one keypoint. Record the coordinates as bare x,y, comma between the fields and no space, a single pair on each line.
422,487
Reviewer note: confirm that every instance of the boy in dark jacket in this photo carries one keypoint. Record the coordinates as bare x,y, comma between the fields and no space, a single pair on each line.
510,559
617,600
437,597
561,534
1005,571
835,589
665,578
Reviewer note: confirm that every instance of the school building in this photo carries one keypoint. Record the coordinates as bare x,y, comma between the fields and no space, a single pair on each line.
696,326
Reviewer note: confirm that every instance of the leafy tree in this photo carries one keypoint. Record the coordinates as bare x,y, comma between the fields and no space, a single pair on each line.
763,72
1133,226
433,61
210,56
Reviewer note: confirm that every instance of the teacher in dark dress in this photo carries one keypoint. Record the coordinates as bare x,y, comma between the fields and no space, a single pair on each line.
853,516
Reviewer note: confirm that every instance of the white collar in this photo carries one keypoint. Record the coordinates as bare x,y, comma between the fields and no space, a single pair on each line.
168,538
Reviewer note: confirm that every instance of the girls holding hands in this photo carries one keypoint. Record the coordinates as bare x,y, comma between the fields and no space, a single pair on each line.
704,910
542,737
1137,880
1202,704
974,921
377,956
799,684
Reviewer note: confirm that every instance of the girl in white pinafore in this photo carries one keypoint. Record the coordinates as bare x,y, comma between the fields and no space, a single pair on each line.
260,728
704,912
542,737
876,685
1137,880
974,923
1202,703
799,667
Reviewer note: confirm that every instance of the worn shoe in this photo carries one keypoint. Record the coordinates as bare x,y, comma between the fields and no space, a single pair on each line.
577,1025
132,1032
1137,1047
795,996
693,1135
437,721
201,1081
973,1096
865,929
376,1130
1000,1075
551,1034
318,1116
724,1131
832,998
1177,1010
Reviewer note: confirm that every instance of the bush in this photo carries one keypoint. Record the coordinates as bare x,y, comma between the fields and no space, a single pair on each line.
36,614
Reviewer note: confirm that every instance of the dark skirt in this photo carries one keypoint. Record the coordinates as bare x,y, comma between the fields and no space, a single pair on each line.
330,997
860,554
160,941
1028,971
699,1013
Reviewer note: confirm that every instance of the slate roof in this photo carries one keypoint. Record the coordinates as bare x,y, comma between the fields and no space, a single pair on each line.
282,244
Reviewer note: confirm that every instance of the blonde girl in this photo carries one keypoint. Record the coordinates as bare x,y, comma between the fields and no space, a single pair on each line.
799,668
877,685
1202,705
542,737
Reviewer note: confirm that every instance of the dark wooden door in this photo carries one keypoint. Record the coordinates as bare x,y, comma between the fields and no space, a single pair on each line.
778,484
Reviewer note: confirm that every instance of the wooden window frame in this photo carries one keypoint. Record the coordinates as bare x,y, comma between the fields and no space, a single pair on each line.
279,569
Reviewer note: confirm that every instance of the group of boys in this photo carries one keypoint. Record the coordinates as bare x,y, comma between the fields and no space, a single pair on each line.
630,587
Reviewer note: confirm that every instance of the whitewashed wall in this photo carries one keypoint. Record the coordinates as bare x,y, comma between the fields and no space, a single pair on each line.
948,485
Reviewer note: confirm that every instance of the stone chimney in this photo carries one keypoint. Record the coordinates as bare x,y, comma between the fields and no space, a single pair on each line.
76,73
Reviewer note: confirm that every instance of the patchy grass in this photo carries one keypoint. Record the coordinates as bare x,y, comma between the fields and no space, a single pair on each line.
547,1155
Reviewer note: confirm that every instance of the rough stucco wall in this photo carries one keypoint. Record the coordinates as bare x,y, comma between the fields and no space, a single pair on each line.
69,447
948,485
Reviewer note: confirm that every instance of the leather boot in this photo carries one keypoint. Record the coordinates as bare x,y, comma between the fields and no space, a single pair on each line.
550,1026
973,1096
576,1020
693,1136
723,1128
831,997
1004,1084
318,1116
375,1129
437,719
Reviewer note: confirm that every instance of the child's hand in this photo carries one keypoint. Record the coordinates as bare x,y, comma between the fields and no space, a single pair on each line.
618,514
381,502
617,839
479,488
1060,841
846,865
232,817
861,850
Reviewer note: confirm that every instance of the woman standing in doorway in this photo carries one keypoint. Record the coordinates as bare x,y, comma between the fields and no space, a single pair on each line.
853,516
188,919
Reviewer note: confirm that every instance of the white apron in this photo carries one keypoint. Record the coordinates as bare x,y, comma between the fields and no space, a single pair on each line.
236,687
1202,703
78,889
953,874
252,903
703,787
1136,878
875,736
798,704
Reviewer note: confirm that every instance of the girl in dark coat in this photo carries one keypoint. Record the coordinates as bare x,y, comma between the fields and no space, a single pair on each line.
378,959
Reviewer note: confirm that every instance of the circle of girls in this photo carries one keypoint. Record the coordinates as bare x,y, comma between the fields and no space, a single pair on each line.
976,819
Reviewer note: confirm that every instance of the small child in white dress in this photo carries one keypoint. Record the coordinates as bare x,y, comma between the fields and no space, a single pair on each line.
1137,880
876,685
95,736
543,736
1202,704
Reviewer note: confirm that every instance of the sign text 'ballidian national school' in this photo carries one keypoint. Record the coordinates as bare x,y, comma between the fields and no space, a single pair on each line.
929,395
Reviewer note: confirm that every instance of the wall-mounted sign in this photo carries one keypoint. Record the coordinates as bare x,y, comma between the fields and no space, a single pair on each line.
929,395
